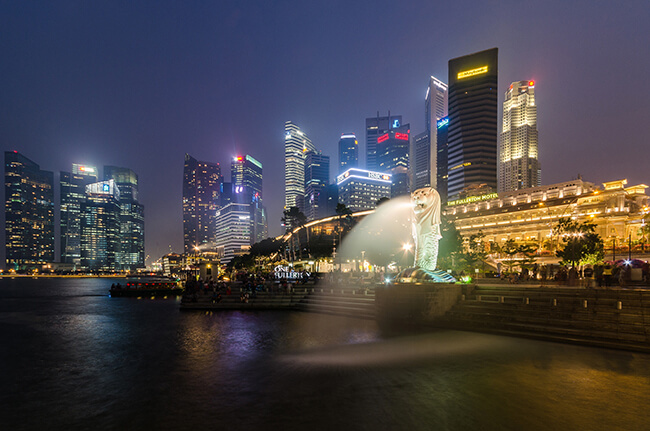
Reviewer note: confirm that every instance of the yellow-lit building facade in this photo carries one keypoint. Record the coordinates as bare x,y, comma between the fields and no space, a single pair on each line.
530,215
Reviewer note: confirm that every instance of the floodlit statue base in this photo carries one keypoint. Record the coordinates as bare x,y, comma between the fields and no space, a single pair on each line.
419,275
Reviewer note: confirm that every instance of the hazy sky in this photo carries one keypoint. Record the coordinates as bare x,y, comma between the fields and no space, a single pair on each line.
138,84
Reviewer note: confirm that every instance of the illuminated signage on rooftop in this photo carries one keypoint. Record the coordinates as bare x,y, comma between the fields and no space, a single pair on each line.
471,199
395,123
363,174
402,136
382,138
472,72
442,122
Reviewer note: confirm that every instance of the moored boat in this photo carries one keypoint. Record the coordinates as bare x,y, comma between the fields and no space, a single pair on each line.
146,286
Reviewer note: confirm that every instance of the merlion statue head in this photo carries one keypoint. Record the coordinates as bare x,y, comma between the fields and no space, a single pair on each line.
426,206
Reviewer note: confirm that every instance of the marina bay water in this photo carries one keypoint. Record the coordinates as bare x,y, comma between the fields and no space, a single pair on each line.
73,358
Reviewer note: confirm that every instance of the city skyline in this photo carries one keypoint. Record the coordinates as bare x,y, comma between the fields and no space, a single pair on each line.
87,86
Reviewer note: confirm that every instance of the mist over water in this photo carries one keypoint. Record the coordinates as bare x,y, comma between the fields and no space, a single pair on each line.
73,358
382,234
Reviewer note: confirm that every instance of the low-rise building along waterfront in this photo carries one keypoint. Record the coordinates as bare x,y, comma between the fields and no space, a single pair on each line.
530,215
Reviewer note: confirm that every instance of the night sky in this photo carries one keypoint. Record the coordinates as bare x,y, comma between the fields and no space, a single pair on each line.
138,84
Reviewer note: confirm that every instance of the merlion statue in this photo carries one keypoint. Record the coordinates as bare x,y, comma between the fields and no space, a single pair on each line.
426,227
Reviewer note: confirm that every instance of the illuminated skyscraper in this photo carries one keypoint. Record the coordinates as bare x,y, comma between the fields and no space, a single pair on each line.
130,255
348,152
376,127
317,176
360,190
393,158
100,227
296,145
246,183
441,144
424,159
73,194
201,199
472,139
233,230
519,166
29,212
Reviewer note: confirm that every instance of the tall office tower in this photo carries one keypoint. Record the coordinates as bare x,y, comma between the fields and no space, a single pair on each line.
73,194
246,183
29,212
233,233
317,178
296,145
201,199
376,127
100,227
441,137
131,253
420,162
360,190
519,166
393,158
348,152
435,108
472,140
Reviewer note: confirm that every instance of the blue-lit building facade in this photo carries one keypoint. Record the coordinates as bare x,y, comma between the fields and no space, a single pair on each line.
348,152
441,143
73,194
29,213
130,255
100,227
317,172
360,189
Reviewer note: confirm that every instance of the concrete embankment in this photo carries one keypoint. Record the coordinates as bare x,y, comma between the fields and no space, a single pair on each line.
343,301
613,318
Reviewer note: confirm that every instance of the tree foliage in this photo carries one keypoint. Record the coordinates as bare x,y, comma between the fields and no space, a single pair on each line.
581,242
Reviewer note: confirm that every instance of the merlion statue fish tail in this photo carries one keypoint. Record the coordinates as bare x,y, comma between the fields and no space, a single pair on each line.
426,227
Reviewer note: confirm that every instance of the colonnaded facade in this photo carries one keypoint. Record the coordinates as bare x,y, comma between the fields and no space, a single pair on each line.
529,215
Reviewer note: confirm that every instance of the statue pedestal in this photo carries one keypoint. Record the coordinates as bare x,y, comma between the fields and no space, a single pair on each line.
408,304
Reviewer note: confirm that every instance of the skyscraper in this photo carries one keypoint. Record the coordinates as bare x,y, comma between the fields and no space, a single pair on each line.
348,152
317,175
29,212
376,127
131,252
425,162
246,183
73,194
233,230
100,227
201,199
519,166
360,190
296,145
441,137
393,158
472,139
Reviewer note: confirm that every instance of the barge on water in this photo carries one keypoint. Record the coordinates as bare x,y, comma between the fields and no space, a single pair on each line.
147,286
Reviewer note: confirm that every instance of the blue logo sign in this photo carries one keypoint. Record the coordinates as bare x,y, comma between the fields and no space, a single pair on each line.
443,122
107,188
395,123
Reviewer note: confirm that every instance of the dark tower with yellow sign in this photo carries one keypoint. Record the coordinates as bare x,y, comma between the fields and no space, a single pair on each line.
472,135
